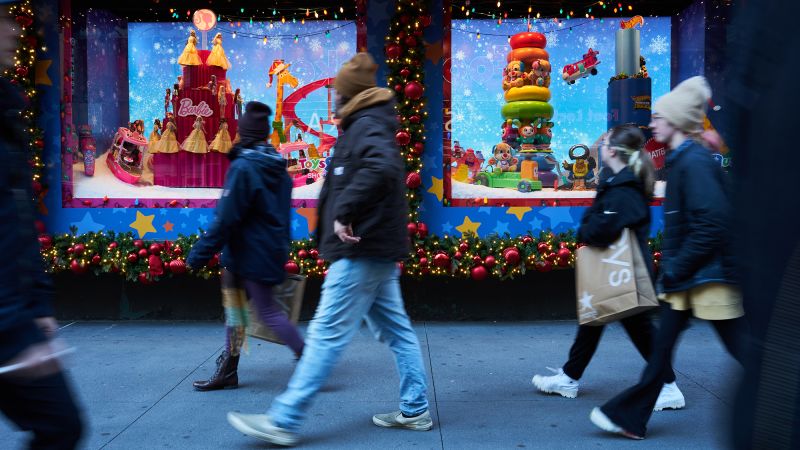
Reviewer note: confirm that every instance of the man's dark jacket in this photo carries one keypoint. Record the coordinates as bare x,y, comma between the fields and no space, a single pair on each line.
365,188
252,217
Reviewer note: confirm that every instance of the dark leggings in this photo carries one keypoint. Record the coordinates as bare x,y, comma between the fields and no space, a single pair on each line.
632,408
639,328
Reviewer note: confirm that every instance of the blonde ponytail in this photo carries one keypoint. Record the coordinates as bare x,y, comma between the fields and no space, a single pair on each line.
628,141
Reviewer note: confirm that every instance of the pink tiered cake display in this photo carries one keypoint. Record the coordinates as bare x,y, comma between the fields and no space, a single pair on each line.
204,91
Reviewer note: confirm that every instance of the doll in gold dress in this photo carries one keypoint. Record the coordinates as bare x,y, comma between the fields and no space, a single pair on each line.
196,142
222,99
222,141
155,136
217,56
189,57
168,143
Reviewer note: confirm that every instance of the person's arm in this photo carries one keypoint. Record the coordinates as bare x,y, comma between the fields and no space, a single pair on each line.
374,170
603,224
230,211
708,208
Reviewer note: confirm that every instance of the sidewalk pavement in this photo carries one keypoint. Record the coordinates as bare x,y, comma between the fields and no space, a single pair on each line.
134,383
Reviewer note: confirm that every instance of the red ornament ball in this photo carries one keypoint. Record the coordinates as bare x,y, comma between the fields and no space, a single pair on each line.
144,278
543,247
423,262
564,253
479,273
291,267
96,259
441,260
421,252
112,245
563,262
314,253
417,148
155,249
422,230
552,256
155,265
138,243
490,262
39,143
320,262
22,71
114,268
398,87
302,254
477,260
412,228
413,180
132,258
402,137
404,72
463,247
45,241
544,266
143,253
458,255
77,267
177,266
414,90
393,50
414,119
78,249
657,256
177,250
70,250
410,41
511,255
527,240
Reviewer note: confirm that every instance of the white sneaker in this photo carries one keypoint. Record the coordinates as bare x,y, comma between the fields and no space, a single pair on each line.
559,383
396,419
604,423
670,398
260,426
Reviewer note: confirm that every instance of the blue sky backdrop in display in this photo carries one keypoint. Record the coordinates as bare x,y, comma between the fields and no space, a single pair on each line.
580,109
153,49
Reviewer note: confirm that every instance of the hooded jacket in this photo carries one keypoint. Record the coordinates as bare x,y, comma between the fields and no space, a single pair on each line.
697,221
365,186
251,221
620,203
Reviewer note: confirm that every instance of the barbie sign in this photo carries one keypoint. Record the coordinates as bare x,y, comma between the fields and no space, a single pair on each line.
188,109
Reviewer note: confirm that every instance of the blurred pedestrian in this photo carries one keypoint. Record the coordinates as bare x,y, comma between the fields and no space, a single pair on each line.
698,276
34,393
251,227
622,201
363,215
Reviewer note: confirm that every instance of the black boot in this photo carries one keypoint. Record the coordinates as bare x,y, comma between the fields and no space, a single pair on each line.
224,377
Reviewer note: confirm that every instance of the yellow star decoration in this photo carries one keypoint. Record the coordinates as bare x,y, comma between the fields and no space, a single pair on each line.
41,76
143,224
518,211
468,226
437,188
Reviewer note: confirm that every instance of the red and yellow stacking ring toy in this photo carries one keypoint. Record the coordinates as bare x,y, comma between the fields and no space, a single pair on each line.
529,39
537,93
527,55
529,110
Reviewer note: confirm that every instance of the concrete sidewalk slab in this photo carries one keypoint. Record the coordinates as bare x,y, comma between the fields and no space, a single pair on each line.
134,382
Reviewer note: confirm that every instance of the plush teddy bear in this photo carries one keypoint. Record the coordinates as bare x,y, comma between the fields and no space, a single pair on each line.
514,75
503,160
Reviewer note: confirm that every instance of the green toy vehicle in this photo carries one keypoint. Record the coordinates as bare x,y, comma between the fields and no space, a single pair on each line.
510,180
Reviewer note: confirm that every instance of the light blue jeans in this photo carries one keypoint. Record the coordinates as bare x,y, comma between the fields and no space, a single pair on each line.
355,289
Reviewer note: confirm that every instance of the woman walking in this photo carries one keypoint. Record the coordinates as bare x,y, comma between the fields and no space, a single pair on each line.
697,276
252,224
622,202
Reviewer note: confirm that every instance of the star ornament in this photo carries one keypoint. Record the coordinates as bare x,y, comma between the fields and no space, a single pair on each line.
468,226
143,224
586,301
518,211
437,188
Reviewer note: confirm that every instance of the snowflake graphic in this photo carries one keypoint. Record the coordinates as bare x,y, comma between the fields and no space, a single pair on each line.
459,117
467,92
490,56
173,61
591,42
462,26
344,47
659,45
498,96
315,45
157,46
552,39
460,55
274,43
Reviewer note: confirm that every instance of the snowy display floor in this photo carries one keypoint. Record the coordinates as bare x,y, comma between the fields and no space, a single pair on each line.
470,191
105,184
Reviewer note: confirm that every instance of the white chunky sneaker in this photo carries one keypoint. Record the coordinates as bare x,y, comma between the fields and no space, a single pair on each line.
422,422
260,426
670,398
604,423
559,383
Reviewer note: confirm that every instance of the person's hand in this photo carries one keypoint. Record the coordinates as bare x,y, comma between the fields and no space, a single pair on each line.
345,233
48,325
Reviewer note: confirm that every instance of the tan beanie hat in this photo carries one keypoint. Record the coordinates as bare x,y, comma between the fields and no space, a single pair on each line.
356,75
685,106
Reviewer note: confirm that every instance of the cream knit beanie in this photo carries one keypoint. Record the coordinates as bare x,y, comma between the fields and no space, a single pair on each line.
685,106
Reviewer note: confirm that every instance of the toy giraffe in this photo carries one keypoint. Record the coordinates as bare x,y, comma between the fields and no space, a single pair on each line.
280,69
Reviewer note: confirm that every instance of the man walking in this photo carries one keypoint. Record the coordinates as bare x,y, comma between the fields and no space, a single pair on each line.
363,232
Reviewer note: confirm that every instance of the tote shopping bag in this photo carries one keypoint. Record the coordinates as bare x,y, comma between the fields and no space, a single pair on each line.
289,296
612,283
